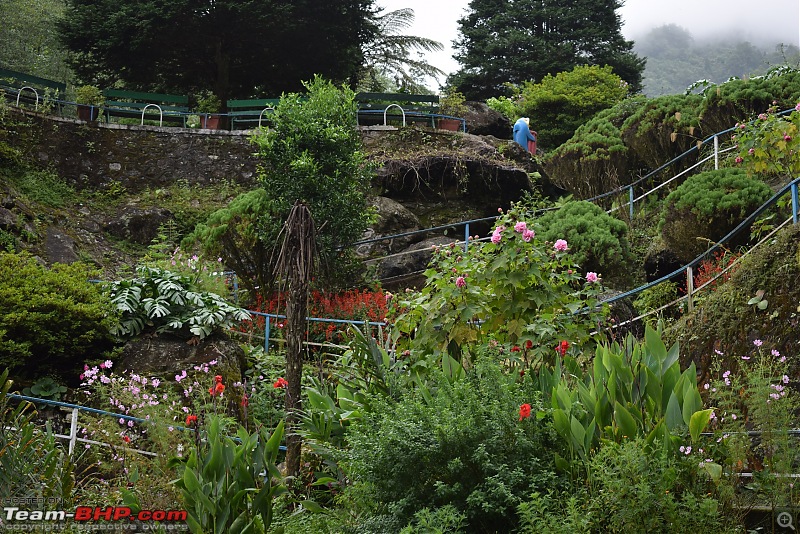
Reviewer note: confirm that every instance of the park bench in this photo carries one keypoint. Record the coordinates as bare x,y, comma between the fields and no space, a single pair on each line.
21,88
416,108
251,113
127,104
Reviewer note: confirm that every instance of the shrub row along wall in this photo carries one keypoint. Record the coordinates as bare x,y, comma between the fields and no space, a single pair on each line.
99,155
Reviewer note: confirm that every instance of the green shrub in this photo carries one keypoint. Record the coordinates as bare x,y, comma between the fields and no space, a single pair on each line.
50,319
598,242
169,302
655,297
706,207
43,187
466,447
561,103
632,489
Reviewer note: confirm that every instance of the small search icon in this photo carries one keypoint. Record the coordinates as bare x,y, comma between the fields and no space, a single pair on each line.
785,520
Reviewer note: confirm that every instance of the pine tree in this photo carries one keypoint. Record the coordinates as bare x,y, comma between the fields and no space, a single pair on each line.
511,41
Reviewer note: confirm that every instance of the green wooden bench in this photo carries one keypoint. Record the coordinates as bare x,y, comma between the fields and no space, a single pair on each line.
251,112
20,87
417,108
126,104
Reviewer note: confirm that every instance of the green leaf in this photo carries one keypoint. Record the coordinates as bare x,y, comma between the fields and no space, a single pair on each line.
625,422
312,507
673,416
691,404
698,422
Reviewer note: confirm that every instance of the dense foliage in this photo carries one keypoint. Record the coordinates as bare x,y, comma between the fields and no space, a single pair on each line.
468,448
512,42
706,207
560,103
516,290
312,153
598,242
28,38
769,144
161,301
235,48
50,318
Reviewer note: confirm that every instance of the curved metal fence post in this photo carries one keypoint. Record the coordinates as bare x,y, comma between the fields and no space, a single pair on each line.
19,93
160,114
716,152
401,111
794,203
466,237
262,114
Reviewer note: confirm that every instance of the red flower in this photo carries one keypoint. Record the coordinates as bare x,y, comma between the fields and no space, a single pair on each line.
528,345
245,401
190,420
217,390
280,383
515,348
126,439
218,379
562,347
524,411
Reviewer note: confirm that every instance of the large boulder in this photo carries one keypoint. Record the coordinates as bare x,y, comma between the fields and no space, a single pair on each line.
393,219
59,247
411,261
137,224
166,356
483,120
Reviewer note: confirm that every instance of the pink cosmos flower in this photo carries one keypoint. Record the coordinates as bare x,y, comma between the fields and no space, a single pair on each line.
527,235
520,227
758,342
591,277
461,282
560,245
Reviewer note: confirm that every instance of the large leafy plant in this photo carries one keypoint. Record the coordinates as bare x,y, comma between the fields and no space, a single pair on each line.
169,302
228,484
632,390
513,290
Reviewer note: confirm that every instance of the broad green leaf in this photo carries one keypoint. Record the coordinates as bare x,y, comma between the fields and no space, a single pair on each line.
625,422
673,417
698,422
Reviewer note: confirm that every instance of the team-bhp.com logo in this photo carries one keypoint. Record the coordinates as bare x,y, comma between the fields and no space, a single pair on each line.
87,515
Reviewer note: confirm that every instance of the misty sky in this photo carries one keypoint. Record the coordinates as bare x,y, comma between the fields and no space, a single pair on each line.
762,21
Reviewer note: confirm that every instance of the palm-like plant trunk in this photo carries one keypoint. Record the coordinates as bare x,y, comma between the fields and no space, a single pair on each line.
294,268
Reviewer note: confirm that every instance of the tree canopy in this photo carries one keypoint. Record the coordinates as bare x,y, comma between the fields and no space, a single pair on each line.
236,48
515,41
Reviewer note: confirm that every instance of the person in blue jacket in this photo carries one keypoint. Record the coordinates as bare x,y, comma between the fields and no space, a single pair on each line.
522,133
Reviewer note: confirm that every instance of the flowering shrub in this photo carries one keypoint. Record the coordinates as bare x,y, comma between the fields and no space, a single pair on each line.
513,290
711,267
753,393
770,144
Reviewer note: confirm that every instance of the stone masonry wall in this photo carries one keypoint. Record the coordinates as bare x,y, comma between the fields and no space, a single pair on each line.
97,155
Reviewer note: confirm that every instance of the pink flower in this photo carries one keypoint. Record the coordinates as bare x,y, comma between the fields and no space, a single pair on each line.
527,235
738,159
751,151
461,282
797,107
496,238
787,137
520,227
591,277
560,245
758,342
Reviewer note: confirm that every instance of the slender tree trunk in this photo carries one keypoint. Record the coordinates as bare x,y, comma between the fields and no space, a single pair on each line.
296,304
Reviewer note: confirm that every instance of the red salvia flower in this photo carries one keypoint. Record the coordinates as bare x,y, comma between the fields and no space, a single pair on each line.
280,383
218,379
524,411
563,347
190,420
528,345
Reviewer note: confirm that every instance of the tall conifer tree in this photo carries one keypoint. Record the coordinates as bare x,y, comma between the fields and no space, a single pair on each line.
519,40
